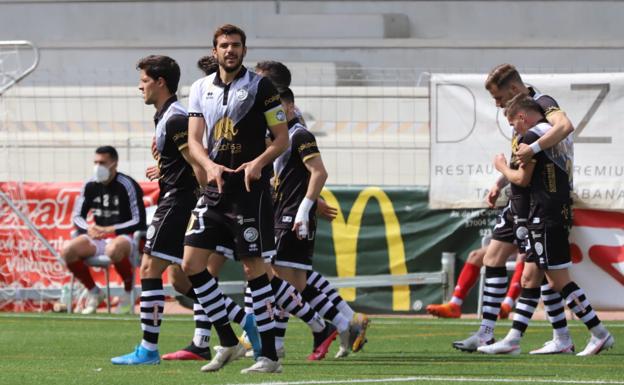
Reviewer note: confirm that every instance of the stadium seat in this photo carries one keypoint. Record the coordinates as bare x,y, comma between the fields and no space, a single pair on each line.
104,262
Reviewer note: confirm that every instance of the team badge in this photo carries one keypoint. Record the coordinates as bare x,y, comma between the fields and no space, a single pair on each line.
150,232
281,116
241,94
250,234
539,248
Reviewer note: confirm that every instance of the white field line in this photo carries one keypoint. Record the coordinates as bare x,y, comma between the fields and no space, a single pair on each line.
457,380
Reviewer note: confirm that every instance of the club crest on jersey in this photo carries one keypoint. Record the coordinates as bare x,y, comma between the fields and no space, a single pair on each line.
241,94
250,234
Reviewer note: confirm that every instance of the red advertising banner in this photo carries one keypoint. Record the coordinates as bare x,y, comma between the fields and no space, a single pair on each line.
24,261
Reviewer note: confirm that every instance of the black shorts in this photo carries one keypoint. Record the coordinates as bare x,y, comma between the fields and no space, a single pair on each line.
550,248
236,226
549,232
503,231
292,251
165,235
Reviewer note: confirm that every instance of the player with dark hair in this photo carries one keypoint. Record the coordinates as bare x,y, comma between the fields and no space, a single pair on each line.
299,178
116,201
158,80
199,348
277,72
503,83
229,114
549,180
208,64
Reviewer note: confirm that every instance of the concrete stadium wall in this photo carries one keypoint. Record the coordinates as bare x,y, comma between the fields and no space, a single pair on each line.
559,36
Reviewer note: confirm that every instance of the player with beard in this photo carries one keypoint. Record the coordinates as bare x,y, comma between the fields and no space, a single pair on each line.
229,114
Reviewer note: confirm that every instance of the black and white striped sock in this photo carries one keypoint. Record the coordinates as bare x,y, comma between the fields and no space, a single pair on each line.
325,307
577,302
281,323
525,307
211,299
235,312
248,301
493,294
555,311
323,285
263,306
290,300
201,336
152,307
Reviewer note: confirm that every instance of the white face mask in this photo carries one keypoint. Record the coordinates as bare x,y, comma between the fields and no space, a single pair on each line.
101,173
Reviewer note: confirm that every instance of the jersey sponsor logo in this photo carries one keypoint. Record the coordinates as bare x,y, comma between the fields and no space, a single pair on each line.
224,129
233,148
209,95
180,135
241,94
305,146
250,234
287,219
271,99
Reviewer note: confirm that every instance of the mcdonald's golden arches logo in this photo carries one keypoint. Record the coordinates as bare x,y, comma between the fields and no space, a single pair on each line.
345,236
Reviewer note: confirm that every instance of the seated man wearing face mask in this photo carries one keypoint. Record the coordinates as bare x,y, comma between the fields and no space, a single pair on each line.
116,202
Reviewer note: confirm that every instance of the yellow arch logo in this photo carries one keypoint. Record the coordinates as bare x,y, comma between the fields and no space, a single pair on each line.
345,236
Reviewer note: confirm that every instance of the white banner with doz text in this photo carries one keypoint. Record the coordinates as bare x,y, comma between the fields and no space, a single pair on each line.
468,130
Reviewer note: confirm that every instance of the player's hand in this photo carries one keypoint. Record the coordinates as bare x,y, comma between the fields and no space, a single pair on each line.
492,196
500,162
326,211
96,232
152,172
214,174
253,172
93,232
301,229
155,152
524,154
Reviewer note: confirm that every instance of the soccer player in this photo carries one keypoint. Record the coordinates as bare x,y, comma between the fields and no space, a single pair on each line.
503,83
116,202
318,291
158,81
199,348
231,110
549,178
467,279
299,178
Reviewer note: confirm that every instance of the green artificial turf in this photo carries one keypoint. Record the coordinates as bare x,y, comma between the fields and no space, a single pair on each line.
72,349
